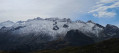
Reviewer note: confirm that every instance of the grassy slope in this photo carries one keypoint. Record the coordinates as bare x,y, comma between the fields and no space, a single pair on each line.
107,46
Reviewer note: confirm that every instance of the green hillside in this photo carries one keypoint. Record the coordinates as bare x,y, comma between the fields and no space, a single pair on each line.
107,46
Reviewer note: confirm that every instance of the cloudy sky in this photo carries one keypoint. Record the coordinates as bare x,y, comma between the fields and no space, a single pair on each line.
100,11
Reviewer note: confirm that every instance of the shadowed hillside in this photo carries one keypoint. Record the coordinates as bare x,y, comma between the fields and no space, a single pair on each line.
107,46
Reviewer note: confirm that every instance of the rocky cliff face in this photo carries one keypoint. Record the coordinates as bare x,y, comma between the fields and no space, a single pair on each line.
76,37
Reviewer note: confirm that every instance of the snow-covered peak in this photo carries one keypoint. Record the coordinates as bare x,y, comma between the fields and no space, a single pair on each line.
6,24
38,18
53,27
20,21
79,21
90,21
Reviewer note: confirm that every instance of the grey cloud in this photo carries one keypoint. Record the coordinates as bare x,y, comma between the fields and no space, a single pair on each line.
24,9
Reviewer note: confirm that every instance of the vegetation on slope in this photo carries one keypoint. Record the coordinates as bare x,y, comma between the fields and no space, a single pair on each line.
107,46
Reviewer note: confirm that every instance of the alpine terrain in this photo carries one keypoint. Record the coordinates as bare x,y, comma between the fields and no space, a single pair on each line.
52,33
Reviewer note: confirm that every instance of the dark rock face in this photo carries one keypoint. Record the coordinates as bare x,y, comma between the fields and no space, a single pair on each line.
117,35
19,27
90,21
38,18
100,26
56,28
76,37
65,26
3,27
20,21
111,29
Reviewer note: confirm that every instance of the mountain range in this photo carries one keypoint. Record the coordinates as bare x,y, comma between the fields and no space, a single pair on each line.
52,33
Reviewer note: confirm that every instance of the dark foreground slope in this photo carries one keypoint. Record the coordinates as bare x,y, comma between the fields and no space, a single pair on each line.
59,46
107,46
